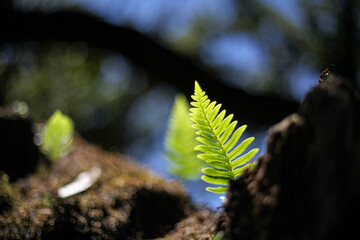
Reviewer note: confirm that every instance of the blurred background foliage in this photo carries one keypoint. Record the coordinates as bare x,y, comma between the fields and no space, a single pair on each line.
263,48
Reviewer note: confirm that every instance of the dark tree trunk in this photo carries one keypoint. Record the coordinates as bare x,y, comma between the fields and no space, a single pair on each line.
307,185
343,51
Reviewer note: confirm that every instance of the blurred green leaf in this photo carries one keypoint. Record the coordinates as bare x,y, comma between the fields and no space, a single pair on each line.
57,137
180,142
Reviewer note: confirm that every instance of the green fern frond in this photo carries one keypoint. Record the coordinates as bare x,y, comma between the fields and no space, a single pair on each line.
180,142
57,136
218,139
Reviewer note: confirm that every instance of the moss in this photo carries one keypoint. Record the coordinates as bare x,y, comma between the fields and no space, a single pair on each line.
126,201
201,225
8,194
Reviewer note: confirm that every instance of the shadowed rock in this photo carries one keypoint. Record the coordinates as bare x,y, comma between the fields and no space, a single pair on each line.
18,154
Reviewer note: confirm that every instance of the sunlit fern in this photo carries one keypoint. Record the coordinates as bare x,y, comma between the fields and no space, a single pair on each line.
219,142
180,142
57,136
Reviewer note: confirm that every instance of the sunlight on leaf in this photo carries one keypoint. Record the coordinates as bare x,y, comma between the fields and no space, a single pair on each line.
219,139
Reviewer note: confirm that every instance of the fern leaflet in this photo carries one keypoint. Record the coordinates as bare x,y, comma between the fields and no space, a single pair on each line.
218,139
57,136
180,142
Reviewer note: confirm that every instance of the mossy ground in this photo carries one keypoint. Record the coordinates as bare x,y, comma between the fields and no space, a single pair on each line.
200,225
126,202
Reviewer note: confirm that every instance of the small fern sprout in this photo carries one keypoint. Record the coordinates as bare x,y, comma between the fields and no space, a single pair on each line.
218,142
57,136
180,142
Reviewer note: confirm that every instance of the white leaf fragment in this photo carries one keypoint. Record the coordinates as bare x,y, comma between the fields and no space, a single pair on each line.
223,199
83,181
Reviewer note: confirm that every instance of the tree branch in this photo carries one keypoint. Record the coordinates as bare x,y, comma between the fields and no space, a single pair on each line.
160,63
